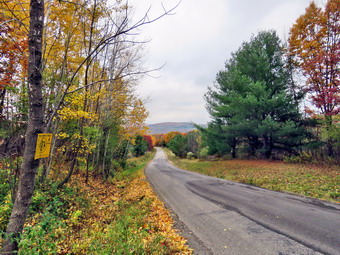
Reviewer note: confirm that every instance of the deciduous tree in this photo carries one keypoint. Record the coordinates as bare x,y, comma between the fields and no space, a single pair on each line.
35,125
13,49
84,62
314,45
168,136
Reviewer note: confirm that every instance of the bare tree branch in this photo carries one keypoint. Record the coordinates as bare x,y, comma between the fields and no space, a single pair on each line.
122,29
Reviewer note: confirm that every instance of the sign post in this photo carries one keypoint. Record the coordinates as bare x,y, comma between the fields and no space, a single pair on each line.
43,147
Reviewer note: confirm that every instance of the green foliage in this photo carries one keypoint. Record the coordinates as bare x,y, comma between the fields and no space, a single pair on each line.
74,218
111,151
49,197
126,234
47,223
4,184
186,145
92,133
4,132
217,140
203,152
5,197
304,157
334,134
5,212
133,165
190,155
254,102
141,146
41,238
178,145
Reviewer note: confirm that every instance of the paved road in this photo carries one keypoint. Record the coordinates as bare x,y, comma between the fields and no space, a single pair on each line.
223,217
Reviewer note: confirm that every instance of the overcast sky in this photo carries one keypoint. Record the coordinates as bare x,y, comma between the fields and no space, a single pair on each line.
195,42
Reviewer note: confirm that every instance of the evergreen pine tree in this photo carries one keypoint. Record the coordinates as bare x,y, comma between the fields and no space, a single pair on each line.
252,103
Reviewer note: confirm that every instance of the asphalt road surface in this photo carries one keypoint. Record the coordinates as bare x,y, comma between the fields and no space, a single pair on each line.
223,217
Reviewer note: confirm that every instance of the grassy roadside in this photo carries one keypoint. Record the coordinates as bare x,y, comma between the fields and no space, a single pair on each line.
135,221
322,182
122,216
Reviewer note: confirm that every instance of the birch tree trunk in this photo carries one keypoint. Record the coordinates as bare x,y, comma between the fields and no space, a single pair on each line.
35,125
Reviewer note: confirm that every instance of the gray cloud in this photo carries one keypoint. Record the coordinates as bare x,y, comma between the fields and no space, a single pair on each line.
196,42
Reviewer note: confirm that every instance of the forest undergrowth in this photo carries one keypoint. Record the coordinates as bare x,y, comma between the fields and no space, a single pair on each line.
120,216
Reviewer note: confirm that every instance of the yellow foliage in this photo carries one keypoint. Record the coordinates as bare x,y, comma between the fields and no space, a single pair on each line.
168,136
159,220
83,145
86,226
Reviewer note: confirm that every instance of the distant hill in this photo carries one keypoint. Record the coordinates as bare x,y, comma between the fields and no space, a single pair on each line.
166,127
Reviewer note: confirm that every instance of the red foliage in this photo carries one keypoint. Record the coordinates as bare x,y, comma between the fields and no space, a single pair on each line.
13,59
159,140
148,139
315,47
13,56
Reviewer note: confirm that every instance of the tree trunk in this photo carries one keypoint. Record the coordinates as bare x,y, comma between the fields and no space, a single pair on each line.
268,146
44,163
14,180
35,126
126,150
105,151
2,100
95,160
330,143
70,172
253,143
233,148
87,168
73,164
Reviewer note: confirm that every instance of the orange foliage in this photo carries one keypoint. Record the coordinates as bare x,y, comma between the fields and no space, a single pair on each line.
151,140
315,47
159,139
170,135
159,219
104,197
13,52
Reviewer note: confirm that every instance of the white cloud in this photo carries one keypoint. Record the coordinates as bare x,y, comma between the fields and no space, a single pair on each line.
195,43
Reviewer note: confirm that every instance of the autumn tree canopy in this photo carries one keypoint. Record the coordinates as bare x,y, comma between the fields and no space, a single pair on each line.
79,84
314,45
13,50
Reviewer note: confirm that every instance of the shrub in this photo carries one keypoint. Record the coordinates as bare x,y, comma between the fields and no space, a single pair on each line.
304,157
190,155
203,152
5,212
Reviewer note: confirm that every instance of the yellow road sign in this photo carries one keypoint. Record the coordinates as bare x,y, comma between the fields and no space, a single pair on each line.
43,147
